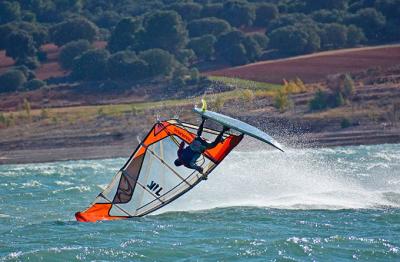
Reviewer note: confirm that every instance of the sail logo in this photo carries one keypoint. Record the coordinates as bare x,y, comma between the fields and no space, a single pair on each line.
153,186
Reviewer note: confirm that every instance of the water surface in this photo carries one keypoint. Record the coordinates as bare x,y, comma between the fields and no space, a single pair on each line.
338,204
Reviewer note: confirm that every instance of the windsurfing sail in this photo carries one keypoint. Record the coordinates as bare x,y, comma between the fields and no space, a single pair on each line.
149,180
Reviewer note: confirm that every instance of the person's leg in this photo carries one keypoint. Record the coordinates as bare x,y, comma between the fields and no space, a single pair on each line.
194,166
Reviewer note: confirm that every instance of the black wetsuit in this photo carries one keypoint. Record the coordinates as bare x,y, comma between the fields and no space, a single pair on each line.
189,155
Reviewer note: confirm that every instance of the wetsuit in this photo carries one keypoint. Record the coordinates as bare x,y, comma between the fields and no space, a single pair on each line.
189,155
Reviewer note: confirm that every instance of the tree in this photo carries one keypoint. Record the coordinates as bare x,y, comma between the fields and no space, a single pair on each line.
91,65
9,11
5,30
119,64
238,13
226,40
370,21
236,55
237,48
327,16
294,40
165,30
11,80
265,12
311,5
108,19
29,74
334,36
261,39
288,19
123,35
253,50
38,32
20,45
355,36
212,10
160,61
209,25
186,57
70,51
72,30
33,84
188,11
203,46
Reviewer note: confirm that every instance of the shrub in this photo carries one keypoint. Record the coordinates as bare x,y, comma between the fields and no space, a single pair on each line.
209,25
320,101
119,63
334,36
203,46
238,13
44,114
294,40
188,11
160,61
29,74
72,30
165,30
355,36
20,45
219,103
248,95
339,100
123,35
11,81
348,86
33,84
345,123
92,65
300,84
27,108
186,56
261,39
9,11
126,65
282,101
72,50
31,62
265,12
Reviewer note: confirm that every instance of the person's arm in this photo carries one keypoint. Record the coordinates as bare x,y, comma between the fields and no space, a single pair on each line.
218,139
200,130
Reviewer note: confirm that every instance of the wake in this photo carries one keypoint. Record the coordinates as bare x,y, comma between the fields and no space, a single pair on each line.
297,179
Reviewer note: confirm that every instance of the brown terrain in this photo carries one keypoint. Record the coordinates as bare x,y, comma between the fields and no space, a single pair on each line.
315,67
77,128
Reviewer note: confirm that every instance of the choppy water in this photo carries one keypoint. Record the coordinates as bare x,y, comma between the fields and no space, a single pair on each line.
318,204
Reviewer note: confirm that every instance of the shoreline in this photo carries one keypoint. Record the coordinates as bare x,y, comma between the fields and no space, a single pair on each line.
123,148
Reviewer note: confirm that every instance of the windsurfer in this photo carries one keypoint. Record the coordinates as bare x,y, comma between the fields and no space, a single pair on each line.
189,155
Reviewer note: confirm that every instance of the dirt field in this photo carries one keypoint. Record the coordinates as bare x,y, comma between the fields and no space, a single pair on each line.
315,67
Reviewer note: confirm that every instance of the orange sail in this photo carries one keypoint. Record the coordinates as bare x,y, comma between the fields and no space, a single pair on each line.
149,180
